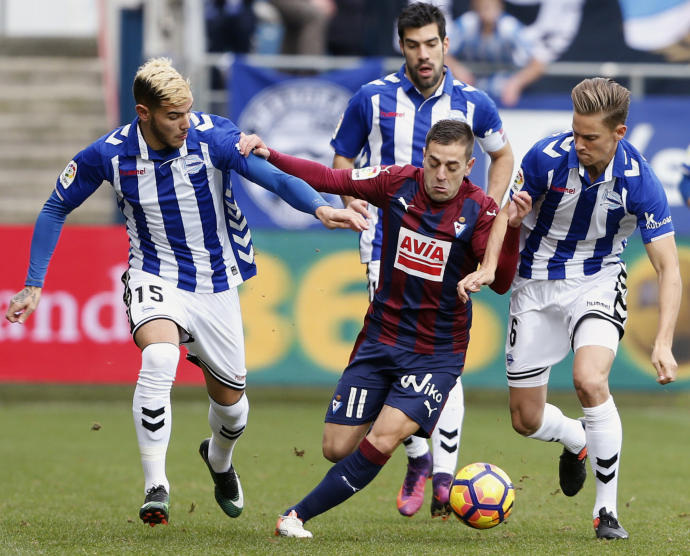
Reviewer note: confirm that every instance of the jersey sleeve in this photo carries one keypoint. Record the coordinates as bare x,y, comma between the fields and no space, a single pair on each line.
82,176
223,137
294,191
487,124
647,200
370,184
45,237
354,126
529,177
487,213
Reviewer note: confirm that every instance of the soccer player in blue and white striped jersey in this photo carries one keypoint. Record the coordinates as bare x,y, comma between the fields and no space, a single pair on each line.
590,189
385,123
189,249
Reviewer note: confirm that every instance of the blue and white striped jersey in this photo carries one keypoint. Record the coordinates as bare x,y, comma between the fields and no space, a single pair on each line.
386,122
181,216
577,227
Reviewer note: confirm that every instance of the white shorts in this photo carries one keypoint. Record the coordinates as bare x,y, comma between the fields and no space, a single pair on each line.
211,323
545,314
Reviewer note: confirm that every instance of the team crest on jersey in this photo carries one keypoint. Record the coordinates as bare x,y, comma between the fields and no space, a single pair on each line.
68,174
366,173
422,256
612,200
193,163
459,226
336,403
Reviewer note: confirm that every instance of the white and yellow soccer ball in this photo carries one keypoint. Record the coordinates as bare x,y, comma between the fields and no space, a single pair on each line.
482,495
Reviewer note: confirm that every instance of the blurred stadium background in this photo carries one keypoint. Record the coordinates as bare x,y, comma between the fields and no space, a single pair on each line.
65,74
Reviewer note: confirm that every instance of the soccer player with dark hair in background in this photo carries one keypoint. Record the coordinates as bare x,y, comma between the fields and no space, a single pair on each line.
591,188
411,350
189,249
386,122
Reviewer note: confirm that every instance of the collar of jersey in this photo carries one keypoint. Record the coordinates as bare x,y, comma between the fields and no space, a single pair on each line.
136,146
614,169
408,86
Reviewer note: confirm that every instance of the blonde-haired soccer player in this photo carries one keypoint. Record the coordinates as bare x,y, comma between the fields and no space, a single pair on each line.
591,188
189,249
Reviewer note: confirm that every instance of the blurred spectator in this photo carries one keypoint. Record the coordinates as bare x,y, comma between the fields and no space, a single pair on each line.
230,25
555,27
487,34
661,27
355,30
684,185
305,23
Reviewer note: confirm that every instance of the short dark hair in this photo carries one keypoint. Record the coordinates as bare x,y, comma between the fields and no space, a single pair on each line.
418,15
446,132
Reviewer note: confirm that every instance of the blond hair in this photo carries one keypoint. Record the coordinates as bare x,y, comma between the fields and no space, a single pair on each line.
602,95
157,81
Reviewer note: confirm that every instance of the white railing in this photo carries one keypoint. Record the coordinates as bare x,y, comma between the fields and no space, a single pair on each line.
636,74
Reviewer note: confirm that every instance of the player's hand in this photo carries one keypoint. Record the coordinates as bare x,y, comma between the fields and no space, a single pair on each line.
510,93
252,143
341,218
473,282
520,206
664,363
22,304
360,206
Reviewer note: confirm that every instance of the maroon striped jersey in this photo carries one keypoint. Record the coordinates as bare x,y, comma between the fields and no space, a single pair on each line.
427,248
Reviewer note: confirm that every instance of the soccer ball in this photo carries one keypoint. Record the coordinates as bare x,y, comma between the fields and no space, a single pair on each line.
482,495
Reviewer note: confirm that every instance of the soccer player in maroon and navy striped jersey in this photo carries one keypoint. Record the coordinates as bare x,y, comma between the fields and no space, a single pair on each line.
412,347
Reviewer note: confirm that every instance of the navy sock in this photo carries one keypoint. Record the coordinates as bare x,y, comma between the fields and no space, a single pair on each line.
342,480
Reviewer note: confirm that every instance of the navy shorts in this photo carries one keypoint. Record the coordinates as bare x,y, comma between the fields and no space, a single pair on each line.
415,383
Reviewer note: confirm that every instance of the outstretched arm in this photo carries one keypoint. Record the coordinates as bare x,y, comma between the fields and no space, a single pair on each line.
300,195
664,258
510,215
46,234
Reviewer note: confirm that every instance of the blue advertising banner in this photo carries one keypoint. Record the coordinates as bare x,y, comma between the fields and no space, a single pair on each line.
293,114
298,115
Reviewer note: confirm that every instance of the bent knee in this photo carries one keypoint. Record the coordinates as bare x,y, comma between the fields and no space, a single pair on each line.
525,423
334,453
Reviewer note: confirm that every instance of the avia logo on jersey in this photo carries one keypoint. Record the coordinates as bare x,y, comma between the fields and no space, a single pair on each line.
392,114
426,387
653,224
134,172
421,256
193,163
566,190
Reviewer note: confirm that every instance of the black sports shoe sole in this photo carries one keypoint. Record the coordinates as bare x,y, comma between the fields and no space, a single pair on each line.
153,516
572,472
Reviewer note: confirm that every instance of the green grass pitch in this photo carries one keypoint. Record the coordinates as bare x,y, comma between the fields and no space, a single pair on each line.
67,488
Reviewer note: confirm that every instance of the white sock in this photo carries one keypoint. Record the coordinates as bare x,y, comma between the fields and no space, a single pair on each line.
604,440
445,439
556,427
152,412
227,425
415,446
